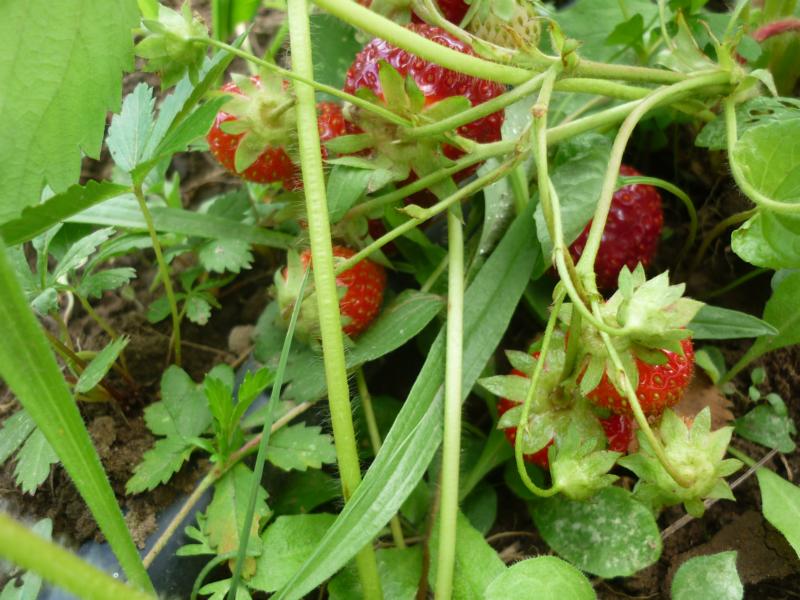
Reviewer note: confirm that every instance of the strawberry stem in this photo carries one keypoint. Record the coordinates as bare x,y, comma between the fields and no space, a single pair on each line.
163,270
718,230
324,278
451,444
660,95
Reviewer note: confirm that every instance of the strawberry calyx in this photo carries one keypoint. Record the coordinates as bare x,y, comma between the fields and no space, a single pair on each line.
262,112
697,455
169,45
579,465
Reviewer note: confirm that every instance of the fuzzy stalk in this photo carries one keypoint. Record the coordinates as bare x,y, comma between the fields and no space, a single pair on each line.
324,279
451,443
163,269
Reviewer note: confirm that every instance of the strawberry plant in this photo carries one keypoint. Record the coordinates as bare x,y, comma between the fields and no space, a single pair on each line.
399,300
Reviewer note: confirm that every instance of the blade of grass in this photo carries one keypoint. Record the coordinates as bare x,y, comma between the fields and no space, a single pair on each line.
258,469
30,370
58,566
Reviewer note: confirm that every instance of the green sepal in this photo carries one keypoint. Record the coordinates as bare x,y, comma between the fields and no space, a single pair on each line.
579,465
247,152
446,108
593,374
521,361
348,144
696,453
393,88
512,387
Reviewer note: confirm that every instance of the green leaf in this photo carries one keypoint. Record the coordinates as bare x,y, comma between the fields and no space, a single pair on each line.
541,578
37,219
476,562
299,447
124,213
16,430
768,240
96,284
225,518
780,503
712,576
100,365
715,323
79,252
346,185
753,113
131,128
54,110
408,448
286,544
303,491
224,255
628,33
480,508
198,309
31,582
399,570
769,156
334,46
580,167
765,425
610,535
780,312
34,461
29,369
590,21
218,590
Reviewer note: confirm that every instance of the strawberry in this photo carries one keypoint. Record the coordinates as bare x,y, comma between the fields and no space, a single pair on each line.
360,298
631,233
660,386
522,29
262,117
452,10
618,429
436,83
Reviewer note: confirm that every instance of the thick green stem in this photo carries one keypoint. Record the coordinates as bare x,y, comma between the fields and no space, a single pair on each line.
379,26
747,188
451,444
375,440
163,269
586,262
59,566
365,104
324,280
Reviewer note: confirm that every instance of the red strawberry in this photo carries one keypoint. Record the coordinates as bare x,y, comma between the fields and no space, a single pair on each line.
631,234
660,386
435,82
364,283
618,430
453,11
273,164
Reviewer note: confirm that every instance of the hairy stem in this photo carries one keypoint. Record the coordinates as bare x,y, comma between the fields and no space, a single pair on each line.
163,269
375,440
324,279
451,445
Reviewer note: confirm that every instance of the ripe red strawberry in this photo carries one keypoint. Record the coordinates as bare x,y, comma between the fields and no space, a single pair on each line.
631,233
618,430
364,285
660,386
453,11
273,164
435,82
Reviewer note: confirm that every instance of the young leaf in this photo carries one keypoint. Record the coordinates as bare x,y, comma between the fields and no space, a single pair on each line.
198,309
399,570
541,578
79,252
100,365
286,544
593,536
780,503
303,491
472,549
299,447
769,427
15,431
715,323
227,254
131,128
34,461
96,284
712,576
51,120
753,113
767,240
218,590
226,514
